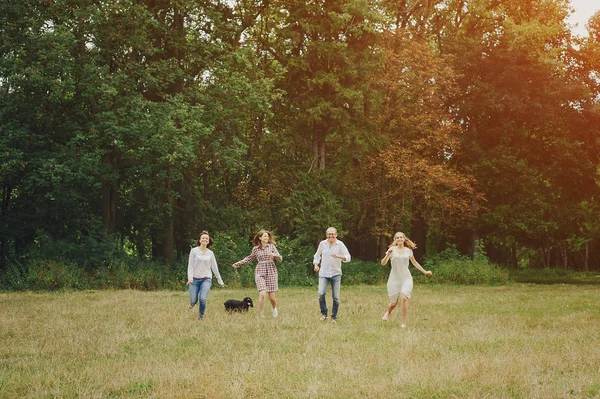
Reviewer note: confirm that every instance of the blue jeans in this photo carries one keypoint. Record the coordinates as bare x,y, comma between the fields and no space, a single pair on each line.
335,282
202,286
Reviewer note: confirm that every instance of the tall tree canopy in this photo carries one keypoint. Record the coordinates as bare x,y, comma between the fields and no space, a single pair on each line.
132,125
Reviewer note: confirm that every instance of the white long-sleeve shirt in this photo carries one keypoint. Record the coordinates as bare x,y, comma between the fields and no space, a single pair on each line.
202,265
330,266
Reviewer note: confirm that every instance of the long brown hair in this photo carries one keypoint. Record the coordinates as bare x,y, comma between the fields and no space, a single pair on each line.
210,239
407,243
256,239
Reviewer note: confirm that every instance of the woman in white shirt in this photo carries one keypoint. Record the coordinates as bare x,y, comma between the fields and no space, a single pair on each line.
400,282
201,266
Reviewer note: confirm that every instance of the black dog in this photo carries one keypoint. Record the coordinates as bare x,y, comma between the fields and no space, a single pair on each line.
232,305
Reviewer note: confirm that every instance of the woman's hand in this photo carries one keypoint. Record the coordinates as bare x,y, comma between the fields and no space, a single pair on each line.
428,273
234,266
316,269
189,282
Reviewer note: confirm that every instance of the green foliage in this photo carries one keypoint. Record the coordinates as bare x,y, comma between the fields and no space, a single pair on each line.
449,266
129,126
312,207
140,275
362,272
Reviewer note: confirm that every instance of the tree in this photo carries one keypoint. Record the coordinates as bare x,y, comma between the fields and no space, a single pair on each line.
416,177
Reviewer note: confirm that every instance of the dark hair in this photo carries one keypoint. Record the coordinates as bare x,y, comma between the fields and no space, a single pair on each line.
210,239
256,239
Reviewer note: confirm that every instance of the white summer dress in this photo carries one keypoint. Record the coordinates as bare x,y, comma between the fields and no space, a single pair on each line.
400,280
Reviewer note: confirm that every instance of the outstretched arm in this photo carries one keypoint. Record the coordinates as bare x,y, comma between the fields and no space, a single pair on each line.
246,260
418,266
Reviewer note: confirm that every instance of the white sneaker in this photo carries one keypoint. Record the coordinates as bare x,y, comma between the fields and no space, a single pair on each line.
275,313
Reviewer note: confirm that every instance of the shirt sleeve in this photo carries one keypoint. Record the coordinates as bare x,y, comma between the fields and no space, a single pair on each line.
276,255
317,257
215,268
346,253
190,272
248,258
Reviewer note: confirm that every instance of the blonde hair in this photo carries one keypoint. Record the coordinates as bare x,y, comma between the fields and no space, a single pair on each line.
408,243
256,239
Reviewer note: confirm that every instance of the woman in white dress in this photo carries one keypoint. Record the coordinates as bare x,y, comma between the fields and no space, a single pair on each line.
400,282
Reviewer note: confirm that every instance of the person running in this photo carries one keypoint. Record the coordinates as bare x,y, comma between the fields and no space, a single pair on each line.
400,282
201,266
330,254
265,273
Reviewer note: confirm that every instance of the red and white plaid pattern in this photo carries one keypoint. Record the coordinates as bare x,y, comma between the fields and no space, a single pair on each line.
265,274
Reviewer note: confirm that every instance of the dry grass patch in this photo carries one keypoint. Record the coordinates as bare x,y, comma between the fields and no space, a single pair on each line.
465,342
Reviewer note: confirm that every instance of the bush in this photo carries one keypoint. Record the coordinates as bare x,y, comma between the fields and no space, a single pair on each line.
47,270
363,272
449,266
134,273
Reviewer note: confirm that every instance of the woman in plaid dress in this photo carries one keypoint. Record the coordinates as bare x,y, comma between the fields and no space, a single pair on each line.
265,274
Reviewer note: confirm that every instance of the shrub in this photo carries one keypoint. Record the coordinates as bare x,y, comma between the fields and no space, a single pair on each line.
363,272
449,266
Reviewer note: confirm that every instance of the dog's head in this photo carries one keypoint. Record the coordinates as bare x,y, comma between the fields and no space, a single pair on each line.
248,302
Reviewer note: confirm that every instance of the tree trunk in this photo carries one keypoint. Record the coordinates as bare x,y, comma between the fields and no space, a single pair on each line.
418,235
474,243
383,246
140,242
545,258
586,259
513,256
318,150
563,254
169,243
110,189
6,190
169,239
157,247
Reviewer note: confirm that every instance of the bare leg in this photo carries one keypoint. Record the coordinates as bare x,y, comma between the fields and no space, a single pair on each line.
390,309
404,310
273,304
272,299
392,306
261,302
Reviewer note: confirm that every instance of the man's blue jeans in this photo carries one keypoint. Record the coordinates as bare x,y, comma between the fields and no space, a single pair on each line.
335,282
200,286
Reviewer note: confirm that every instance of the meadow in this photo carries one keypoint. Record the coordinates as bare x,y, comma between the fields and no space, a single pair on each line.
513,341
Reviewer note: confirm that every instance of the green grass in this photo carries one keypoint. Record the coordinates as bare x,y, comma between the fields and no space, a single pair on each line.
517,341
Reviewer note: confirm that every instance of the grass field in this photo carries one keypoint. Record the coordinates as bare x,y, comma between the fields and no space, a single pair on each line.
518,341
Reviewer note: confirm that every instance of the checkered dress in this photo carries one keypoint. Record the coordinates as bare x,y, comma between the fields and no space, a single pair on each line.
265,274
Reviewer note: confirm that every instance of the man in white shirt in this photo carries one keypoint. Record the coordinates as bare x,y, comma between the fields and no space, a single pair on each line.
330,254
